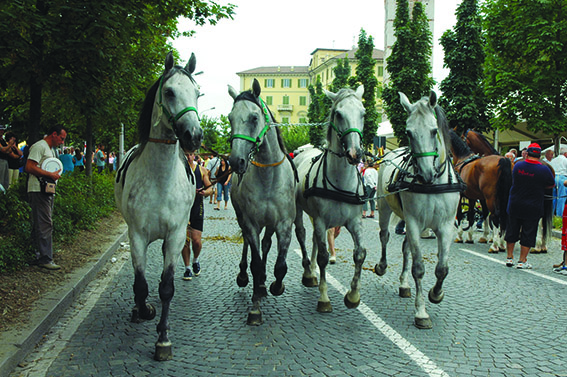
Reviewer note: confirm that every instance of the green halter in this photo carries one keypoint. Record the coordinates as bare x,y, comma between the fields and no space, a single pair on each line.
256,141
171,118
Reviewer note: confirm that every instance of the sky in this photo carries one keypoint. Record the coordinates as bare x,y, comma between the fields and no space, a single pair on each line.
272,33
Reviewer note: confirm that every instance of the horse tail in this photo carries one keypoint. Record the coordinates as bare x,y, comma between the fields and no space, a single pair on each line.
503,190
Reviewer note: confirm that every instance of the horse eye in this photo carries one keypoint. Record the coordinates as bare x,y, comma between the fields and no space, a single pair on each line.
433,133
253,118
409,133
169,93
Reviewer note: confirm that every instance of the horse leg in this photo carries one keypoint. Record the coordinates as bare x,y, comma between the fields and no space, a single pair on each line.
405,289
471,222
280,269
242,277
142,310
436,293
309,279
170,249
320,236
459,220
258,276
352,297
384,214
421,319
266,245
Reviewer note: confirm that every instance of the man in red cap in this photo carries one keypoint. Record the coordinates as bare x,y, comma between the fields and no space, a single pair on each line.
525,207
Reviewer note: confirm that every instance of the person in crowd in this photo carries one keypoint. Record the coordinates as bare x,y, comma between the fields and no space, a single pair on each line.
559,165
15,158
561,268
111,159
525,207
41,203
514,151
5,150
79,160
370,186
67,161
549,155
100,158
196,218
212,167
523,156
510,156
332,234
223,176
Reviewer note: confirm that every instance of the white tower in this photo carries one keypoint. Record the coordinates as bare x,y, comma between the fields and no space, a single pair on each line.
389,39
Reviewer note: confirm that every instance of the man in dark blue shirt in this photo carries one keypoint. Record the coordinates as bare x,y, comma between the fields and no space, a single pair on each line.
525,207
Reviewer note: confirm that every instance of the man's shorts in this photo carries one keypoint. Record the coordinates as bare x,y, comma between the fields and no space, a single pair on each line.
524,230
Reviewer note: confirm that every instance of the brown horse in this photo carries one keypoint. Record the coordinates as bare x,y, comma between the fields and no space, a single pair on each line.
488,180
478,143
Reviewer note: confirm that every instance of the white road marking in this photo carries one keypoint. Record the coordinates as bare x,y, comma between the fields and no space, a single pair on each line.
399,341
535,273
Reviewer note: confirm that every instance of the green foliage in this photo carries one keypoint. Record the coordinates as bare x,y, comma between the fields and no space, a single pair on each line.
408,66
365,76
79,203
463,96
317,113
295,136
526,74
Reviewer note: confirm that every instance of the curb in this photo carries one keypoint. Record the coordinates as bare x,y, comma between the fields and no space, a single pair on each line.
17,344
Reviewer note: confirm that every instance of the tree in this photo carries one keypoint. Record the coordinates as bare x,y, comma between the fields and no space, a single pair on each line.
365,76
315,113
409,66
463,93
526,74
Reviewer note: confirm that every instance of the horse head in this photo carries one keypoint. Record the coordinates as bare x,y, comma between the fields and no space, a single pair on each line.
174,112
427,145
347,121
250,120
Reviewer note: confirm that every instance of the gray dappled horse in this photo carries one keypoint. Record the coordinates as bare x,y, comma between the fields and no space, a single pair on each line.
418,183
153,190
330,191
263,187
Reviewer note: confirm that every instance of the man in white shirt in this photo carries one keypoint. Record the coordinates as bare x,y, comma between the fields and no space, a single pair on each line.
559,164
42,204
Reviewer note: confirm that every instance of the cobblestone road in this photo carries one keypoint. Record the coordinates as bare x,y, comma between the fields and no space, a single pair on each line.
494,321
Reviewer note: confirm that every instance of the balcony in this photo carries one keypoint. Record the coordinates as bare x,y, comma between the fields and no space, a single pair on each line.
285,107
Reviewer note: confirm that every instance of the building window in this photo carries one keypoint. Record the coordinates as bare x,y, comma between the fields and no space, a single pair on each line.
285,120
302,83
303,101
268,83
269,100
286,100
286,83
302,120
380,70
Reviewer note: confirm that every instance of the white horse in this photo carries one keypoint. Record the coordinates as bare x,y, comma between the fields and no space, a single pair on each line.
262,191
154,191
419,184
330,191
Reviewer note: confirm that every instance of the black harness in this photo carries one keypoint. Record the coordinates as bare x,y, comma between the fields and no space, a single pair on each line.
330,191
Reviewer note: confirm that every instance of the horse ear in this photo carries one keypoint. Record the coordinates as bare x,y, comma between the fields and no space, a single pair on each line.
360,91
405,101
330,95
190,67
432,99
256,88
232,92
169,61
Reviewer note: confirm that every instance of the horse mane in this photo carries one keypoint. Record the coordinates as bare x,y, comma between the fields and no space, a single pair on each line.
145,119
459,147
341,95
247,95
422,106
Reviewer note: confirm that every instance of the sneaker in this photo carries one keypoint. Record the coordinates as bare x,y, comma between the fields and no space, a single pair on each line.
524,265
196,268
49,266
561,270
332,259
509,262
187,275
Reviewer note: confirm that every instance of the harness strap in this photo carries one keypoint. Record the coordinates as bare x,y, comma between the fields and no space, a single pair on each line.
260,165
163,141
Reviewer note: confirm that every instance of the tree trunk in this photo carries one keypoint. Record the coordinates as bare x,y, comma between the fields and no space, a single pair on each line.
89,152
35,111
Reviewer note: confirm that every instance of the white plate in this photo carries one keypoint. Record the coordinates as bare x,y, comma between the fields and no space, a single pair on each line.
52,164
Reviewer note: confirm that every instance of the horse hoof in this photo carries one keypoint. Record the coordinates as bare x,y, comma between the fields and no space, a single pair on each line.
163,353
423,323
151,312
404,292
492,251
137,317
276,292
309,282
254,318
262,291
435,299
349,304
469,241
482,240
324,307
379,271
242,281
458,241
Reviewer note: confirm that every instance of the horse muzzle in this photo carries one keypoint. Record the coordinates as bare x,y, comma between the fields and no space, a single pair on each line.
354,155
191,139
237,164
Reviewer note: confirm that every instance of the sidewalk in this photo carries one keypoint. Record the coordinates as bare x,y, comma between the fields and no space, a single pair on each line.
16,344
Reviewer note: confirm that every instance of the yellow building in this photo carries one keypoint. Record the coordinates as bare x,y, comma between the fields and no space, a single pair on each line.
285,88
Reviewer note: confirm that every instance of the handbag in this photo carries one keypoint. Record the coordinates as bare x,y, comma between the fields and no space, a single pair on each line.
47,185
